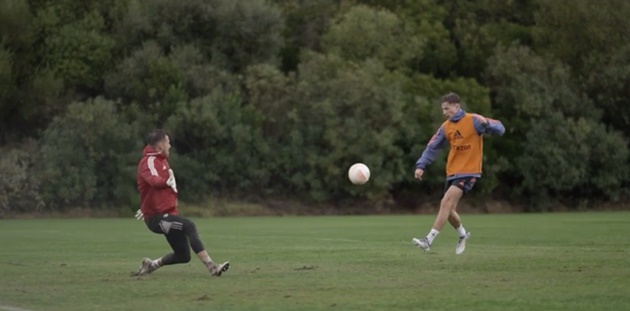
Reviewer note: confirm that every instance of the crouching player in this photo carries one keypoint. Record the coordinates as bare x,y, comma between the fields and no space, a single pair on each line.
158,209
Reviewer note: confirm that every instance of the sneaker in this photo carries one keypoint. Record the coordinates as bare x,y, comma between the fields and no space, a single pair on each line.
461,244
145,267
422,243
217,270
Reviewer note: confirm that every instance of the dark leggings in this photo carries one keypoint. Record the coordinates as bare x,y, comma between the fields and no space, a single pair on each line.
179,232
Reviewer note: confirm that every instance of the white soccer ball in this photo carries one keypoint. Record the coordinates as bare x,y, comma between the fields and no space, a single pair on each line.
359,173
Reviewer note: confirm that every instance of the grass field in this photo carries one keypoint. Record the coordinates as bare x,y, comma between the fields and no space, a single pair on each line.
513,262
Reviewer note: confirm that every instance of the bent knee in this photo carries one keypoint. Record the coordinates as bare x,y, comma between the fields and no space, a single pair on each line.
182,257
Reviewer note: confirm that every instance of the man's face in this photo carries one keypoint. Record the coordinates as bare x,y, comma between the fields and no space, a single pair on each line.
449,109
164,147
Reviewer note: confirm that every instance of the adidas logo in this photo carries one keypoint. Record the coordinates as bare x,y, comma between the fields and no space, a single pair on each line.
458,135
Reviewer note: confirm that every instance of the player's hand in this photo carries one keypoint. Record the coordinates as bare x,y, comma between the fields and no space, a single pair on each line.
139,215
418,173
171,182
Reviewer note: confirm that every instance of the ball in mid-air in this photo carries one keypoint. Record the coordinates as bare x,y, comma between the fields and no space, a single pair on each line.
359,173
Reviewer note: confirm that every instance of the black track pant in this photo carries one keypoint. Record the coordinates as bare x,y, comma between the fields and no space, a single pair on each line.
179,232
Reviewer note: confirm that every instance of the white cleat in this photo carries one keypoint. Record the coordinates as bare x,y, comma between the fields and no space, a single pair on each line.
145,267
461,244
217,270
422,243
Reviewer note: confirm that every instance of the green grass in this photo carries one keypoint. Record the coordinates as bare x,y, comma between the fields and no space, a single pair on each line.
513,262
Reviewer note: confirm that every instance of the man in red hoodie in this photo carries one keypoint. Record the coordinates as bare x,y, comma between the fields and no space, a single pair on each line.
158,208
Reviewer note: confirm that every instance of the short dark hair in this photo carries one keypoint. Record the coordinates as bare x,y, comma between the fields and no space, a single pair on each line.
156,136
451,98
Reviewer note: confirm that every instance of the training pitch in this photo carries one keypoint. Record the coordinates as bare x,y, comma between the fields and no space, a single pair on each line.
563,261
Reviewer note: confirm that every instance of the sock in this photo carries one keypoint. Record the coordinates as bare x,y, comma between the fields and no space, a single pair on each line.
155,264
461,231
207,261
432,235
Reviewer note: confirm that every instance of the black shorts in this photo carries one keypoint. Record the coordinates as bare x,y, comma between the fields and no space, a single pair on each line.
464,183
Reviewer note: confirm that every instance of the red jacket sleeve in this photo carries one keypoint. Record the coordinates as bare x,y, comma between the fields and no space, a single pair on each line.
149,173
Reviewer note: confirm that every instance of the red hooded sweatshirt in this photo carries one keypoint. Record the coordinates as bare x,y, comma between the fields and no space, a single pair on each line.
156,197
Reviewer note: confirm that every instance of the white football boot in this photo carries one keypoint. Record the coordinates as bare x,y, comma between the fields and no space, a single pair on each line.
422,243
217,270
461,244
145,267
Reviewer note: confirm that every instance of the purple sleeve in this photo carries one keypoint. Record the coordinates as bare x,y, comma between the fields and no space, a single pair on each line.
436,143
493,127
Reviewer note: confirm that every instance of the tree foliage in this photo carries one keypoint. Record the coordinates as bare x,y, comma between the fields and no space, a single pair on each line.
364,33
276,99
87,156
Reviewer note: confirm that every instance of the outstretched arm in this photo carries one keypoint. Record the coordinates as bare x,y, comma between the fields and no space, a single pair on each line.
436,143
485,125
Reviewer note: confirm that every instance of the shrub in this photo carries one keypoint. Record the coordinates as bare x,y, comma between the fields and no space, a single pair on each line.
19,185
88,155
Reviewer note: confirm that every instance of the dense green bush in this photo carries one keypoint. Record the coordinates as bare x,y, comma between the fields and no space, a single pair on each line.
365,33
88,156
562,160
80,51
19,186
219,146
559,131
231,34
343,113
276,99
